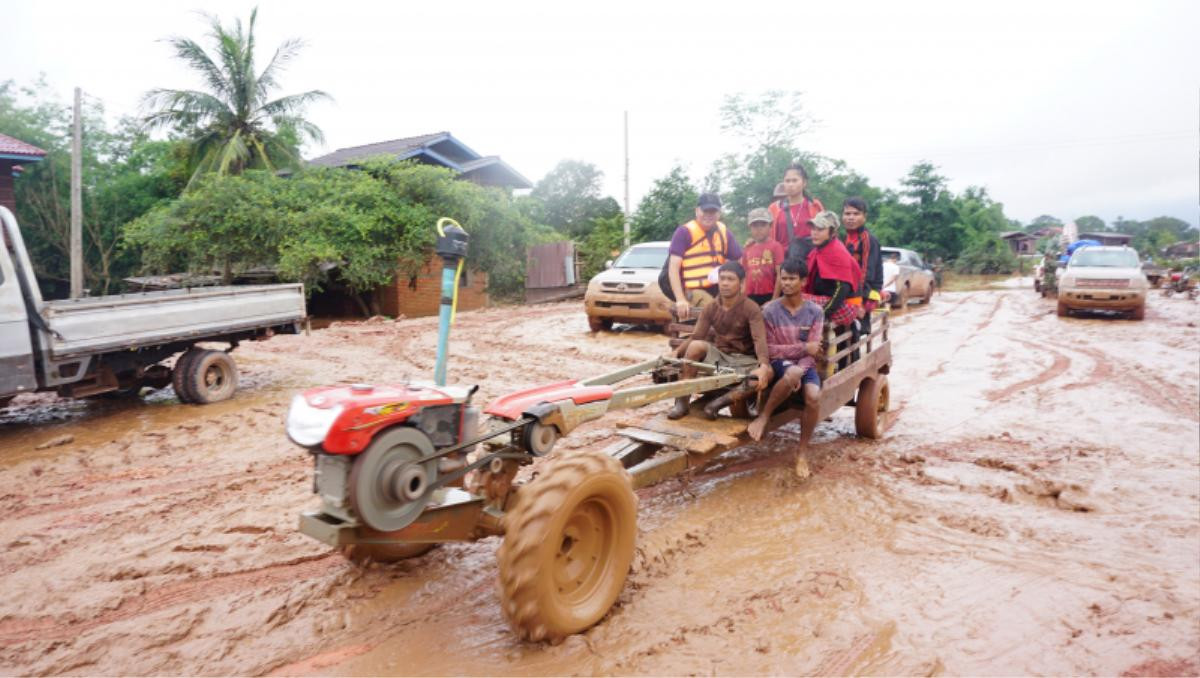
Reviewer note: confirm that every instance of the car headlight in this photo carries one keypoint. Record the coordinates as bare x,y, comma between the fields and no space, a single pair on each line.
308,425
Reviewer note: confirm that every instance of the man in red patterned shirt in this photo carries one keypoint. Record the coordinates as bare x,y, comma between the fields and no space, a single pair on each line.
761,258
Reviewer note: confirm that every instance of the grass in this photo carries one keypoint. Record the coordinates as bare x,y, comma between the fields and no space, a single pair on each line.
966,282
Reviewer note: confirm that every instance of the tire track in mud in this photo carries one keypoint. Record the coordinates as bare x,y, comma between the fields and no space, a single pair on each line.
173,487
1060,364
17,630
1164,395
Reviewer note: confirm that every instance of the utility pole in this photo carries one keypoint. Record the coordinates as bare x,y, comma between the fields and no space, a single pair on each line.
626,179
77,201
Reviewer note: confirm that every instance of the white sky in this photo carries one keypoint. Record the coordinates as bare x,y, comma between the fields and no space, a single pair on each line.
1062,108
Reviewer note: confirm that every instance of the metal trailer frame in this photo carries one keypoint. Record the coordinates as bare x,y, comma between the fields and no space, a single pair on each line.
653,448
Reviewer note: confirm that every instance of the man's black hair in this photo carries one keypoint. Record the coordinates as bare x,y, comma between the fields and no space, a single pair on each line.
734,268
795,266
857,203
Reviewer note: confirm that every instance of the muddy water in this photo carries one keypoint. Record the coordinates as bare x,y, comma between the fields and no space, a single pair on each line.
1033,508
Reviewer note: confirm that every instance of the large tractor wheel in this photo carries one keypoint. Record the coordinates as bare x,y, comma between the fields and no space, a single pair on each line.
598,324
384,553
870,404
388,489
210,377
568,546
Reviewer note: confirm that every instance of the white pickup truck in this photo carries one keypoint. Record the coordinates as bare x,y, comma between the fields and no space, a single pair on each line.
84,347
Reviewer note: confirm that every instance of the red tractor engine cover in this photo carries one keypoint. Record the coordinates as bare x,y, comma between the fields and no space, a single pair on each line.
366,410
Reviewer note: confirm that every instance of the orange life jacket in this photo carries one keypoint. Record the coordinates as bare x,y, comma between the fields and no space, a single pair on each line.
706,252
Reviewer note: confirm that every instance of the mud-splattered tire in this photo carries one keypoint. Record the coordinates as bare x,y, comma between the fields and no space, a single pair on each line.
1063,311
928,295
871,403
1138,313
568,546
179,374
599,324
211,377
384,553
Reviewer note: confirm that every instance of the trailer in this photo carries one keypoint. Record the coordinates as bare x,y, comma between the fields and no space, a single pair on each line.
401,468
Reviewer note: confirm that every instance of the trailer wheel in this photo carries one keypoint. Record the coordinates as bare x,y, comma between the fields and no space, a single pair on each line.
384,553
568,546
179,380
210,377
871,402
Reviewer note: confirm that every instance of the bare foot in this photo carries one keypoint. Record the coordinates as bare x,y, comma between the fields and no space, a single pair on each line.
757,427
803,472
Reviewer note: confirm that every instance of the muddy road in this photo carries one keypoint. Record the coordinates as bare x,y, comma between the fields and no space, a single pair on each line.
1034,508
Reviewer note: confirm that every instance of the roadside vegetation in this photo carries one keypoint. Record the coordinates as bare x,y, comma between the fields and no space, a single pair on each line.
223,189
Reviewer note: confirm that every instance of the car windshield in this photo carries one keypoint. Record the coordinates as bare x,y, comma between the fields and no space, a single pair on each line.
1105,258
642,257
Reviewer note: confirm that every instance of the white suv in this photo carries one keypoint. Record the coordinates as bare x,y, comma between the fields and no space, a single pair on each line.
1103,278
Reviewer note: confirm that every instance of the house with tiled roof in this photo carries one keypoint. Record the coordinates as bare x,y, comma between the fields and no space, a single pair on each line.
14,153
441,149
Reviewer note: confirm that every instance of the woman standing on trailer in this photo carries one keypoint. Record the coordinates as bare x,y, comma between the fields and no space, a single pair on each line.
792,212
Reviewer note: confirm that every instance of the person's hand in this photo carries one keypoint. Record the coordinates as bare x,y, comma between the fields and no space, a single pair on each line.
859,312
683,309
813,348
763,372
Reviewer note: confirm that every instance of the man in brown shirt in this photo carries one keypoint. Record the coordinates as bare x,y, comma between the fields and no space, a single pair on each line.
740,338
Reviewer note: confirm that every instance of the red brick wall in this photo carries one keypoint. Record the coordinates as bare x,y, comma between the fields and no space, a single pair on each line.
423,295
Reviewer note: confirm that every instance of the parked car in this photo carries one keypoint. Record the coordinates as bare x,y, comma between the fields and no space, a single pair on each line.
1103,278
628,290
915,280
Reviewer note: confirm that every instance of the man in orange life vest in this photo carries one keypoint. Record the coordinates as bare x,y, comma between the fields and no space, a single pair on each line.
698,248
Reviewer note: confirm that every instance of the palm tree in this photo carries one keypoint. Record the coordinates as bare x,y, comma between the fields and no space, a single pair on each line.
233,126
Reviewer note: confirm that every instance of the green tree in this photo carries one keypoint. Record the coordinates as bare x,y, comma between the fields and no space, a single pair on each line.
235,125
570,196
671,201
124,175
1091,224
351,231
773,119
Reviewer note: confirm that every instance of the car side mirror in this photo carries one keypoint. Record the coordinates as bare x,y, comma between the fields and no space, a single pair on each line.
608,263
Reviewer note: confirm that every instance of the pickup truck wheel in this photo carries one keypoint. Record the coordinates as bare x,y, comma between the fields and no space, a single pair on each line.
599,324
211,377
902,299
179,380
567,547
1063,311
1138,313
384,553
871,403
928,295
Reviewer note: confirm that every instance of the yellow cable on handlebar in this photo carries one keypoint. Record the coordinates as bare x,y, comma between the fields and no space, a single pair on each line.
458,272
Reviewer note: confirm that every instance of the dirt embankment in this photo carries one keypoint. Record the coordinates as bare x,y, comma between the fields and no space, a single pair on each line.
1033,508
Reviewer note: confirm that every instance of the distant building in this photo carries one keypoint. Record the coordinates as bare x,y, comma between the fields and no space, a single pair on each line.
14,152
1106,238
1182,250
1047,231
440,149
1020,242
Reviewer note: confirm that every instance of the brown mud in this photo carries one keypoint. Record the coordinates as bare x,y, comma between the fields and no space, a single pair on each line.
1034,508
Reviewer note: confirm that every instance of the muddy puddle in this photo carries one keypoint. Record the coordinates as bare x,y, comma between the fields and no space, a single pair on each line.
1034,508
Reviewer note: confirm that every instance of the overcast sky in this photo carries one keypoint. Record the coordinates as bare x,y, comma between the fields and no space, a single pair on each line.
1062,108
